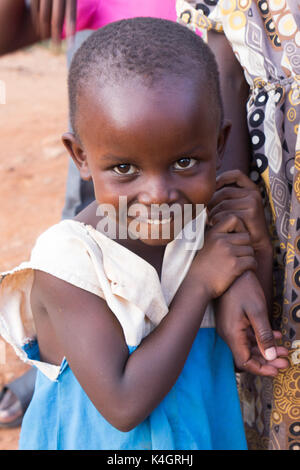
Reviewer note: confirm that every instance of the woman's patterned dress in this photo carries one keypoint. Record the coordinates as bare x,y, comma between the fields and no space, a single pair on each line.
265,37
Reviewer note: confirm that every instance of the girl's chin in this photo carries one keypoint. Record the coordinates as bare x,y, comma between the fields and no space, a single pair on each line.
159,242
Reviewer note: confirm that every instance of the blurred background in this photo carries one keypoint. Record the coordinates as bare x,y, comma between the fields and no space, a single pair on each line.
33,166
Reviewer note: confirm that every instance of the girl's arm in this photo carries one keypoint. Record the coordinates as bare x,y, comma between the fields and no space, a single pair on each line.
126,388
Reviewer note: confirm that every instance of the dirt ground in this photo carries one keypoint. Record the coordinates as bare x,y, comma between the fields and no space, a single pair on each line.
33,167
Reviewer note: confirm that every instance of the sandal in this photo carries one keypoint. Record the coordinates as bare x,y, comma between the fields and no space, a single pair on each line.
15,398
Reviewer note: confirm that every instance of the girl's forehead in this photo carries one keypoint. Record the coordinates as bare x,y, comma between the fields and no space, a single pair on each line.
170,106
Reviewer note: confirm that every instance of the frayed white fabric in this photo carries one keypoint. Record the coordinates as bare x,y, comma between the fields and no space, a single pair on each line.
86,258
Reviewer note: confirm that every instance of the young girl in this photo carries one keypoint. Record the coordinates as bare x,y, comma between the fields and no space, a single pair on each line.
126,349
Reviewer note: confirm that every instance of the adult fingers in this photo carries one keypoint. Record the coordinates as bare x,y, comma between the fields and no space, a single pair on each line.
246,361
281,362
254,366
71,17
264,335
57,20
45,14
234,177
34,10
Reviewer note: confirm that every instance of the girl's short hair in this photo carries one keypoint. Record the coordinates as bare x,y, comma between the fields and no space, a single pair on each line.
151,48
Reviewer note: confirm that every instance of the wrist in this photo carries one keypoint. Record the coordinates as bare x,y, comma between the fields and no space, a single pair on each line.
195,287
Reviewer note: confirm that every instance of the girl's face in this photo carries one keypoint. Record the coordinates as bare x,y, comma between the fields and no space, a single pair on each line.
153,146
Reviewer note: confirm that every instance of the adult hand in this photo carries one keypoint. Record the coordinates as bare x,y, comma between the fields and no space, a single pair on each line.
49,16
242,321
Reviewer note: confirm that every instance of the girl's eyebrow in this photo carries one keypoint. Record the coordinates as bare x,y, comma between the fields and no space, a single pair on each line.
114,158
189,151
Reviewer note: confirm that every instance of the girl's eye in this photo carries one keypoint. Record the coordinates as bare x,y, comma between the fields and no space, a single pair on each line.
125,169
184,163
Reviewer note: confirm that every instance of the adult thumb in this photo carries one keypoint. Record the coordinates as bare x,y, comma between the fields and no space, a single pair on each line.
263,333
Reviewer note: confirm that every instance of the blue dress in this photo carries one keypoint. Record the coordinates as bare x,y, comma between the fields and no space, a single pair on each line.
201,411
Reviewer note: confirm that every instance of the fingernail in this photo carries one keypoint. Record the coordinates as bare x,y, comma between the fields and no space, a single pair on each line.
270,354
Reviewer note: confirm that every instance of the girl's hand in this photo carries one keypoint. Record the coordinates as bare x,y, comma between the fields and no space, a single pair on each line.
237,194
226,254
48,17
242,321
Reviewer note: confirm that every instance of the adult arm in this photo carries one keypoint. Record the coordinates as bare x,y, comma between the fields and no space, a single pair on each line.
246,304
235,92
16,27
22,26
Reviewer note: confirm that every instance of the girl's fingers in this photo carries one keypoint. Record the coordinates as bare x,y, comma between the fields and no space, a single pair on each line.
215,216
233,205
239,239
235,177
245,263
227,193
243,250
57,21
45,14
230,224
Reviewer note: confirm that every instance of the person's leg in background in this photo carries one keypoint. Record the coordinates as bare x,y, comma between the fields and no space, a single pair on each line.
15,398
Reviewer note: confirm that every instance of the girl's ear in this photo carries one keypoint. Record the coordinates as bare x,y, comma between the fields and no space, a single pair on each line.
222,140
77,153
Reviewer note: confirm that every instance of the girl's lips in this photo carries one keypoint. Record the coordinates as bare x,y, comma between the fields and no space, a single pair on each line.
154,221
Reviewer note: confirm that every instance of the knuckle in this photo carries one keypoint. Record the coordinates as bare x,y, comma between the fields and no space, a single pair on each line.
234,219
266,336
227,250
254,263
240,364
219,242
237,172
233,265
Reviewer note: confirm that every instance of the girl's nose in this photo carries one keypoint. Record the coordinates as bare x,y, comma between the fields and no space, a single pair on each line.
157,190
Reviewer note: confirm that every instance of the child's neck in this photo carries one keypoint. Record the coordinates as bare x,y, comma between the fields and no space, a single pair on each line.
151,254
